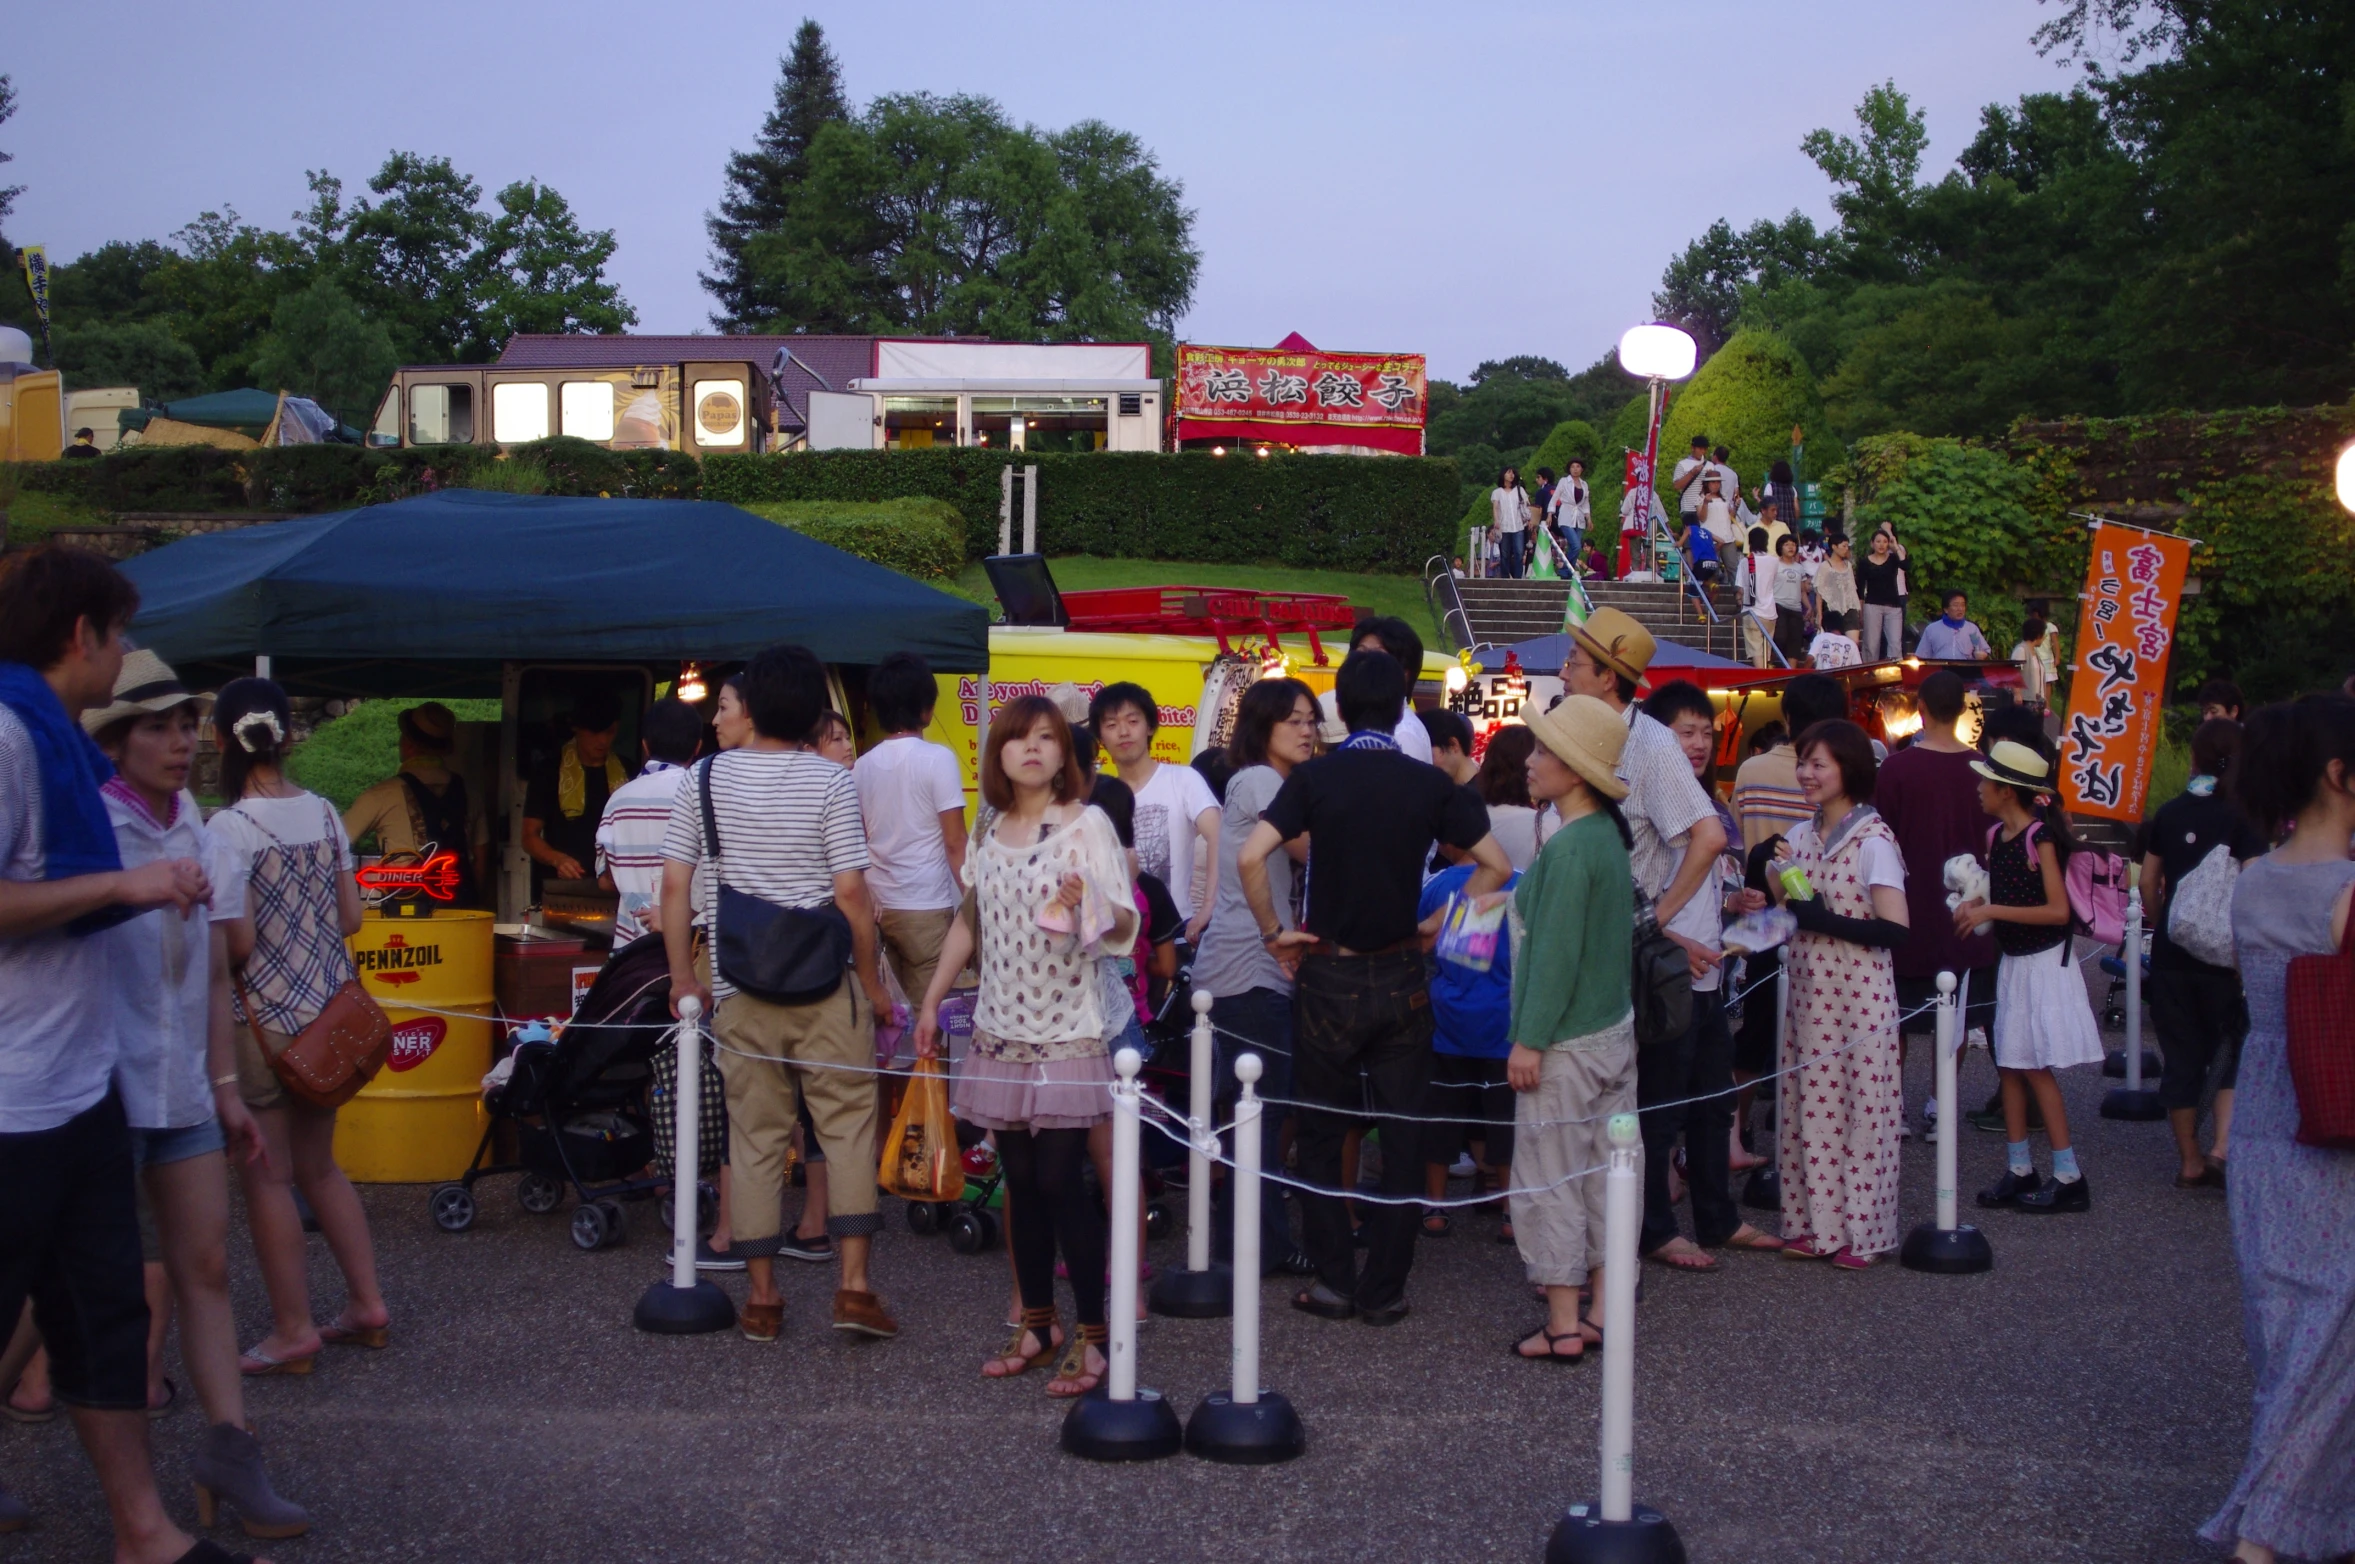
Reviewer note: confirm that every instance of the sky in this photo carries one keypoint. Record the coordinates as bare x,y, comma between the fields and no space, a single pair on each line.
1467,181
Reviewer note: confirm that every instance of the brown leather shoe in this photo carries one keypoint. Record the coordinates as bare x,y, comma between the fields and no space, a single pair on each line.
863,1314
762,1321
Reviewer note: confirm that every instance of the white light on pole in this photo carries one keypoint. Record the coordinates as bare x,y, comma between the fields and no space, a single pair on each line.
2347,477
1657,352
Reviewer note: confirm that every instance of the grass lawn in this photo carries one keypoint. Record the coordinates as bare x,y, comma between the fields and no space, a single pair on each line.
1398,595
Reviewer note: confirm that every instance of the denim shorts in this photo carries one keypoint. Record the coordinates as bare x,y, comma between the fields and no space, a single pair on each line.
153,1148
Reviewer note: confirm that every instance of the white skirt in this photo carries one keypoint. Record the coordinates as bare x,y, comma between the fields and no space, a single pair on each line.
2043,1019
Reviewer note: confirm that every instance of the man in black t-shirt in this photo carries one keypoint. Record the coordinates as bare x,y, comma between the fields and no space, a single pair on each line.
1362,1005
2196,1007
564,797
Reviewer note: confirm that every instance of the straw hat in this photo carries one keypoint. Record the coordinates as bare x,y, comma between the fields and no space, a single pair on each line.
2015,765
1614,639
1587,736
1069,699
146,684
431,726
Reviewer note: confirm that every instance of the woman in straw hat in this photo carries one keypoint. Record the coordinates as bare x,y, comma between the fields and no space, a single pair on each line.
2043,1021
1840,1106
1573,1059
177,1072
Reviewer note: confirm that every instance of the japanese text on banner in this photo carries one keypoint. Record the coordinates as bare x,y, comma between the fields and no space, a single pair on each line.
2133,589
1273,386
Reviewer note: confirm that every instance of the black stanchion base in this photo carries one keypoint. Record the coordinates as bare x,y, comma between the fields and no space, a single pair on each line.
1261,1434
1584,1537
2114,1065
2140,1107
1763,1189
684,1311
1958,1251
1193,1295
1099,1428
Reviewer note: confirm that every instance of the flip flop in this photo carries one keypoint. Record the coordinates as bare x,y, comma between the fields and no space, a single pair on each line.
1684,1259
1763,1243
17,1414
253,1363
373,1337
1437,1224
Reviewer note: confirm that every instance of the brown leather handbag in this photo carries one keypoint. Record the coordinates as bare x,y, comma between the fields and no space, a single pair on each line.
338,1053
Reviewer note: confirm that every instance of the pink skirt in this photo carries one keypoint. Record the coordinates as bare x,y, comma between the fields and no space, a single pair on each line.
1052,1094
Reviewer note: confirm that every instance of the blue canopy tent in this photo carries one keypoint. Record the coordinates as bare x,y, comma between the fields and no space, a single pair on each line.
1545,654
434,595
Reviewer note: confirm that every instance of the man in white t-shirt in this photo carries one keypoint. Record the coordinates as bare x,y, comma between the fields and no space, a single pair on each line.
912,797
788,835
1396,638
1177,814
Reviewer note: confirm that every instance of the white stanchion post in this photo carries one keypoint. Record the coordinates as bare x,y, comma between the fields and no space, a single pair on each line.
1202,1291
1616,1529
1945,1247
2133,1101
1250,1425
685,1305
1120,1420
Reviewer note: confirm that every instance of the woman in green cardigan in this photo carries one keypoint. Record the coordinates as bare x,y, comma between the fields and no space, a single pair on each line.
1573,1058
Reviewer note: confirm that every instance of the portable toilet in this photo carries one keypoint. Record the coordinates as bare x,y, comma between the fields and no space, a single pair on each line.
32,403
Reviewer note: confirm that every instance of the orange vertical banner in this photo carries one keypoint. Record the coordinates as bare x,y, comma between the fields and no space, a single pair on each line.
2133,588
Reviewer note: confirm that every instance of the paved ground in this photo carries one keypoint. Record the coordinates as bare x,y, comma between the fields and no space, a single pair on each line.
2086,1400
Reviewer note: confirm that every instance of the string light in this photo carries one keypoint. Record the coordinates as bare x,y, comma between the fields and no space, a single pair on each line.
691,688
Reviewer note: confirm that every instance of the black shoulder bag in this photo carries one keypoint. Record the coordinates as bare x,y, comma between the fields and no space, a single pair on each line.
786,955
1662,981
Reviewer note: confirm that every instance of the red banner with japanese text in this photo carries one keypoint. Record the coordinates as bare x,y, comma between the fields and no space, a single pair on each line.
2133,589
1277,387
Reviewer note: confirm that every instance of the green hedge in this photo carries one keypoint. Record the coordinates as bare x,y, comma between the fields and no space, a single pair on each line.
917,537
1364,513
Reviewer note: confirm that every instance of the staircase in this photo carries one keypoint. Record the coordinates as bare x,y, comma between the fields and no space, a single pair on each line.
1498,612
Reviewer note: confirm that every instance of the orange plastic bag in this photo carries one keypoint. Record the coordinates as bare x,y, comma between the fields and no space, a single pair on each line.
920,1157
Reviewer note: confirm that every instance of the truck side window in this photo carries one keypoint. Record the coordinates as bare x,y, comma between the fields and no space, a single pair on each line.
441,415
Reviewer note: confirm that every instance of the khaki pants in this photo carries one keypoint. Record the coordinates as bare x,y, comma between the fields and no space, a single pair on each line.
911,942
765,1097
1756,636
1560,1229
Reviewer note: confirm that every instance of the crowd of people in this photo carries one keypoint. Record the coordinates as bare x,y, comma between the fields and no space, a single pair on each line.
1455,958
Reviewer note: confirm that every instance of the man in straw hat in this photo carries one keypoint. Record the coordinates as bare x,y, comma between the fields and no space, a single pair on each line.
69,1230
426,803
1362,1004
1677,839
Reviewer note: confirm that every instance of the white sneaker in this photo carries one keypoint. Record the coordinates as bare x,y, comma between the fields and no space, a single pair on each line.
1976,1037
1464,1167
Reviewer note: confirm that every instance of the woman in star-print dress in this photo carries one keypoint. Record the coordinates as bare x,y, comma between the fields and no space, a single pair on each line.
1840,1104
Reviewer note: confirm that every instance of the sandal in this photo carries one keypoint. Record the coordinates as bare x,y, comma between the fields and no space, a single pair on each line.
253,1363
1763,1243
1073,1370
1034,1322
1437,1224
1504,1234
17,1414
1683,1259
1552,1340
374,1337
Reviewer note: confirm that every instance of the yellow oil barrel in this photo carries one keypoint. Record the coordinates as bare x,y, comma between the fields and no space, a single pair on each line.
421,1118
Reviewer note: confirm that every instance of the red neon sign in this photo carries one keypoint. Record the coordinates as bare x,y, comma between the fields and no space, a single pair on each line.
437,877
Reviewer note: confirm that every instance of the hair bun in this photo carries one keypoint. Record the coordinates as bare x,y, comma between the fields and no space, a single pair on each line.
258,731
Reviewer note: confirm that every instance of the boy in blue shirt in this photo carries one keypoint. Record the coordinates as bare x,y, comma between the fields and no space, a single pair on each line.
1471,1022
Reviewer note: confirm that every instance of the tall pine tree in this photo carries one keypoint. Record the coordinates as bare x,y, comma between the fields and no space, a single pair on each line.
761,183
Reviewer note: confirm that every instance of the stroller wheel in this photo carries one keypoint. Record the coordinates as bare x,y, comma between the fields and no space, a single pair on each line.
967,1235
923,1217
1157,1220
615,1231
452,1206
588,1226
989,1227
539,1193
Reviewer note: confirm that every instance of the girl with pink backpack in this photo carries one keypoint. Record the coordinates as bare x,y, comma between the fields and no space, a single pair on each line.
2043,1021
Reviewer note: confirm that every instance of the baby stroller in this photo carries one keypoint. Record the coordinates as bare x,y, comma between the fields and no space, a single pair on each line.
577,1105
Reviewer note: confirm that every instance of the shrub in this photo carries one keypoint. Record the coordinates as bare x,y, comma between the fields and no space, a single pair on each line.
1364,513
1746,398
1572,440
924,538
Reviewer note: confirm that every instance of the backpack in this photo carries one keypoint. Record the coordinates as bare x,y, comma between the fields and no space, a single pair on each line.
2096,885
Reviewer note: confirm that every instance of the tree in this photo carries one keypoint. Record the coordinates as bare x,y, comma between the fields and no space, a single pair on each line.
409,258
322,347
8,193
1521,366
1703,289
939,215
142,353
537,271
216,288
1747,398
760,185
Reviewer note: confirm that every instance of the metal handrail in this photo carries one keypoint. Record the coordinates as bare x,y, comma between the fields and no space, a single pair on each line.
1454,611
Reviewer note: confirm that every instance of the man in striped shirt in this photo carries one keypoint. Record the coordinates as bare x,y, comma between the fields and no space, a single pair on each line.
629,837
1767,799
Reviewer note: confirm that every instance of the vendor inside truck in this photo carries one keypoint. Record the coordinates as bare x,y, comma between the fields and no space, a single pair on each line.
564,797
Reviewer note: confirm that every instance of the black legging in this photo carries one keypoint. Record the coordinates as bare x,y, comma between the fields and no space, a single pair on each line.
1047,1204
